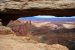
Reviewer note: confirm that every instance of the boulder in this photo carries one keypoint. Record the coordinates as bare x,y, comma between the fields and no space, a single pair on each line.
5,30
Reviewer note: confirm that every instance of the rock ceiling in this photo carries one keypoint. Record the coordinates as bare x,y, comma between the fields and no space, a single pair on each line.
13,9
23,4
25,7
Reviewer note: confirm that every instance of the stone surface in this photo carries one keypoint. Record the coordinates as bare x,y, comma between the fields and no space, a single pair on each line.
8,42
52,4
5,30
27,8
46,32
19,8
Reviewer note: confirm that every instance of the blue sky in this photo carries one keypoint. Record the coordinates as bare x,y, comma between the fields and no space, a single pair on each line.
49,18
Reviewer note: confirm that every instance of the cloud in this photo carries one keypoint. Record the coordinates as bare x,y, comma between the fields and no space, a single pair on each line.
44,16
52,16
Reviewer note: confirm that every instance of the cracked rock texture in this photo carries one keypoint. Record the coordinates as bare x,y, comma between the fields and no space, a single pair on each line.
23,4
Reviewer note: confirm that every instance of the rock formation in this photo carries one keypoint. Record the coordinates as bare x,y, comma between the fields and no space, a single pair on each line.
5,30
69,25
13,9
13,44
45,32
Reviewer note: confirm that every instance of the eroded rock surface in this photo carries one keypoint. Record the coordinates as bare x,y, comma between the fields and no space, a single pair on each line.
19,8
5,30
8,42
61,4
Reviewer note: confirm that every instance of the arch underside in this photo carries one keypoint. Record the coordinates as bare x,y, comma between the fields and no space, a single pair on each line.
13,14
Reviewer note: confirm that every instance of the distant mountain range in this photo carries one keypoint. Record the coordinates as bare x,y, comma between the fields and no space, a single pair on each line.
54,19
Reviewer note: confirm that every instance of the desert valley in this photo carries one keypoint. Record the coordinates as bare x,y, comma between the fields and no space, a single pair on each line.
28,35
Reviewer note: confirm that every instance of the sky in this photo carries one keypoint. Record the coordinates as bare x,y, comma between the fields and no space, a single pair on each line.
53,17
49,18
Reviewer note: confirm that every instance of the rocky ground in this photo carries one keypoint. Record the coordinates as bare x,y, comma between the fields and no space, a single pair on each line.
52,4
9,41
41,36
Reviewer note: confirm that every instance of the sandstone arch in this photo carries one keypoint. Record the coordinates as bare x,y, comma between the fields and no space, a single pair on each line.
11,10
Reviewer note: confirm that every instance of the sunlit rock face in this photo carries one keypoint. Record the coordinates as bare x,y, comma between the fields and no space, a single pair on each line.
69,25
5,30
58,4
41,7
39,24
50,25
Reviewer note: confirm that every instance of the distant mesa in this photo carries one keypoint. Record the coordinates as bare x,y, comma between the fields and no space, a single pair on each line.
69,25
